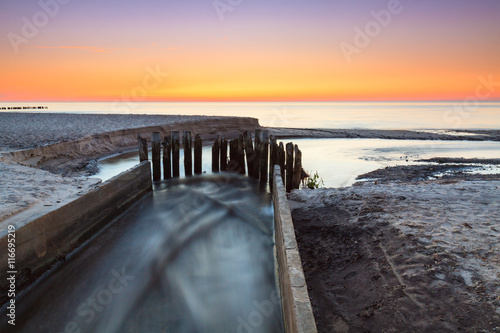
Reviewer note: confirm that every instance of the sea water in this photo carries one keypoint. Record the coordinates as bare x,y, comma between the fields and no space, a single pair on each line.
353,115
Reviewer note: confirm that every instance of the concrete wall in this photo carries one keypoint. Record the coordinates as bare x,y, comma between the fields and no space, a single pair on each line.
297,309
48,239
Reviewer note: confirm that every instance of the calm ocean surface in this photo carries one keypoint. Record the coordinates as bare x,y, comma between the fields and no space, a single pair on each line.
355,115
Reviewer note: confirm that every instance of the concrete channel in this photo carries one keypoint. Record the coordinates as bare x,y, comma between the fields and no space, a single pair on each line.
48,240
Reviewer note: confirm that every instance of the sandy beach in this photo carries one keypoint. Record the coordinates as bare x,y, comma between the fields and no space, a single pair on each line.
414,257
395,253
46,158
32,130
468,135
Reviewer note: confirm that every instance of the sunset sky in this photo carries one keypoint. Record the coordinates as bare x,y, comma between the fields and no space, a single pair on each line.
249,50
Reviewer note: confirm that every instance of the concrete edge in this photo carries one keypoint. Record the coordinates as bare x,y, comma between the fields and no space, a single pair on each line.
46,240
297,310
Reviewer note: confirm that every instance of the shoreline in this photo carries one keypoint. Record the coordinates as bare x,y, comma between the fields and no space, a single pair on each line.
39,162
44,157
42,149
28,130
444,134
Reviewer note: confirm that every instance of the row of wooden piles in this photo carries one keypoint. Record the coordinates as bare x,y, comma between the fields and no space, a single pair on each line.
253,157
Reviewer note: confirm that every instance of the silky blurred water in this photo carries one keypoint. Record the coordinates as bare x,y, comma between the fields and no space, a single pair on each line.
350,115
339,161
196,255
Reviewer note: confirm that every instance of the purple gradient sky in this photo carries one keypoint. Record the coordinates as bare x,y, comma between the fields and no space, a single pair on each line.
261,48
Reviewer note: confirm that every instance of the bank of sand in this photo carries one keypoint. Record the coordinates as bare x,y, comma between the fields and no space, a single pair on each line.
45,158
404,257
420,256
68,144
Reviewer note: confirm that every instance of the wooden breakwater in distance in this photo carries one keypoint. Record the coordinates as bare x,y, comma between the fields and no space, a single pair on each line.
253,157
24,107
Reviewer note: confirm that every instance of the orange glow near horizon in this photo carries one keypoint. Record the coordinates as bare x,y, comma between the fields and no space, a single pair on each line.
250,57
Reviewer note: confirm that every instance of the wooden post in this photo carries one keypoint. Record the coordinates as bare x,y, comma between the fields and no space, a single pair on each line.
281,160
256,161
215,155
223,155
272,157
240,154
297,168
289,166
233,165
197,154
167,169
143,148
264,152
175,154
155,155
188,157
247,138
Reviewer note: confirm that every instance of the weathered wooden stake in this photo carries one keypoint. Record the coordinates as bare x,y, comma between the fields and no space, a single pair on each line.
256,160
281,160
264,152
223,155
289,166
216,155
175,154
240,154
272,157
297,168
188,157
233,165
143,148
167,169
250,153
197,154
155,155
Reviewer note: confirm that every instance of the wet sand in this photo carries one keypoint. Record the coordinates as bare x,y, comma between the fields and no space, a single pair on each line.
419,257
468,135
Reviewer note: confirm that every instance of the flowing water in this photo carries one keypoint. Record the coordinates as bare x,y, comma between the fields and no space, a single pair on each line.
339,161
195,255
